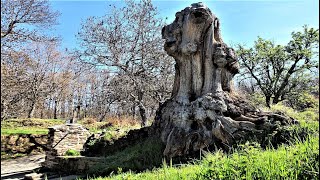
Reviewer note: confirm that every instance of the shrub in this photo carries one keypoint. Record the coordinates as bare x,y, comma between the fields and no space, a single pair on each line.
123,121
72,152
89,121
307,115
302,101
257,99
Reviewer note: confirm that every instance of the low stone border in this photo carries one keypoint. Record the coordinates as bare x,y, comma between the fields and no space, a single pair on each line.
24,143
73,164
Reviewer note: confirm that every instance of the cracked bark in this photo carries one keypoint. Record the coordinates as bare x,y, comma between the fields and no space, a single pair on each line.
203,109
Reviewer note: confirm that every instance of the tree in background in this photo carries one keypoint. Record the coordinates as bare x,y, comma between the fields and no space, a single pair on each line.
26,60
281,71
23,20
128,43
31,77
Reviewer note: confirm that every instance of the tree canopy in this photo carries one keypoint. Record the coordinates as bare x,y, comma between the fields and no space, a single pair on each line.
281,70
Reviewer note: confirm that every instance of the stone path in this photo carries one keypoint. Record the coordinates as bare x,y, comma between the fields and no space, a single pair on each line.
17,168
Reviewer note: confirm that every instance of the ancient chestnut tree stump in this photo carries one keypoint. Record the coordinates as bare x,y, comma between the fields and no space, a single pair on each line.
203,109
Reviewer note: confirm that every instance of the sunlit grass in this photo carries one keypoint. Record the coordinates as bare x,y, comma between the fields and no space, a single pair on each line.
20,130
28,126
307,115
298,161
113,127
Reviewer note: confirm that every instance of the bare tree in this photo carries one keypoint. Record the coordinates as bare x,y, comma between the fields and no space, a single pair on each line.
38,60
129,43
13,83
23,19
126,70
21,23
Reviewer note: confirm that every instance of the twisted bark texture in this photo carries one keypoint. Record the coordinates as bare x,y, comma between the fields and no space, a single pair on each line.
203,109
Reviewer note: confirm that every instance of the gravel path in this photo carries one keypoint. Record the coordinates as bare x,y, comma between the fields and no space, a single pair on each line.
17,168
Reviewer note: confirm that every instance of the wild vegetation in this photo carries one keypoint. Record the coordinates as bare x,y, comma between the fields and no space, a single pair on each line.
300,160
291,153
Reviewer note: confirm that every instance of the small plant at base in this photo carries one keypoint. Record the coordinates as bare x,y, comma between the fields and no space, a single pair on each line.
92,142
72,152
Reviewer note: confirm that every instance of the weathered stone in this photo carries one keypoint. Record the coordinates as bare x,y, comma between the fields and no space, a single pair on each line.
61,138
73,164
25,143
33,176
12,140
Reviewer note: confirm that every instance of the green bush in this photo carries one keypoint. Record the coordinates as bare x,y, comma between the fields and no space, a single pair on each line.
72,152
302,101
257,99
307,115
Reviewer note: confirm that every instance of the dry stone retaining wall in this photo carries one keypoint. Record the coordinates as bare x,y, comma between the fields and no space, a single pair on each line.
61,138
23,143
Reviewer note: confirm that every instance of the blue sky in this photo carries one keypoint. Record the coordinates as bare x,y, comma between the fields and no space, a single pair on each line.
241,21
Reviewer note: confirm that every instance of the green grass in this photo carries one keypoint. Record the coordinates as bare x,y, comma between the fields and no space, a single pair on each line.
307,115
40,126
138,157
114,131
289,162
72,152
28,126
298,161
5,131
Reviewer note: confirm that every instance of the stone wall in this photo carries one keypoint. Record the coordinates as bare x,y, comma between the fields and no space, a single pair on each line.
24,143
61,138
75,164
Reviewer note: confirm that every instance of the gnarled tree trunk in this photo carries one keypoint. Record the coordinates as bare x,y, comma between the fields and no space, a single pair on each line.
203,109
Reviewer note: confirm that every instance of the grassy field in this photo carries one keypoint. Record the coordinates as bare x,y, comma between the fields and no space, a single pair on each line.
298,159
28,126
115,128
